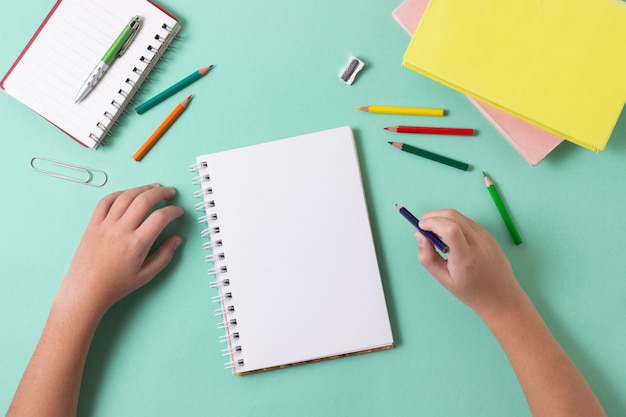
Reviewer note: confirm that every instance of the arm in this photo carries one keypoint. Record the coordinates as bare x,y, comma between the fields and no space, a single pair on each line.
111,261
480,275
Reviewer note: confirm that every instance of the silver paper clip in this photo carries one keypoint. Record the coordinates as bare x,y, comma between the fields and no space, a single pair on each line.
87,177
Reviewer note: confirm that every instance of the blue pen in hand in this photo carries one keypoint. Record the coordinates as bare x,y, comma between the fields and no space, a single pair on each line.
439,244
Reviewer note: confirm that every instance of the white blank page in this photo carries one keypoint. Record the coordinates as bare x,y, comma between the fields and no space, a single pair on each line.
298,249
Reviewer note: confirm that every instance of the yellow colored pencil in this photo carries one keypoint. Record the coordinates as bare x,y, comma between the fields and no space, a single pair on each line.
169,121
410,111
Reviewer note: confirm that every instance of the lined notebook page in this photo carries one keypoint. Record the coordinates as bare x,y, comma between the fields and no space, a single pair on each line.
298,249
70,44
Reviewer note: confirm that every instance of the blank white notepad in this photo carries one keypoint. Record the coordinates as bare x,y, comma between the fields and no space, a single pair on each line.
290,246
67,46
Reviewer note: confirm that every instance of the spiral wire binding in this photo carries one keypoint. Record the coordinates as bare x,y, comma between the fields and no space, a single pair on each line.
223,312
125,95
218,270
216,257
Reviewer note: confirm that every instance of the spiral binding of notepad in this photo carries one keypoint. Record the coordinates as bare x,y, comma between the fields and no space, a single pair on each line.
218,270
153,53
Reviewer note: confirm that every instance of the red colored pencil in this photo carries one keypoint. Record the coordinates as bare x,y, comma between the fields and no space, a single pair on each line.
432,130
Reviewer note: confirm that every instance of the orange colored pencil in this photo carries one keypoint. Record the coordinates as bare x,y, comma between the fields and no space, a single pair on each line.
169,121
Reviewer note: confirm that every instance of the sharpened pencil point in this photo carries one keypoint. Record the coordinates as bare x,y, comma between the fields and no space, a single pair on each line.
204,70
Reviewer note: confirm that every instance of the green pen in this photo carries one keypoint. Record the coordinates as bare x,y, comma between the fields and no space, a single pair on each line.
116,50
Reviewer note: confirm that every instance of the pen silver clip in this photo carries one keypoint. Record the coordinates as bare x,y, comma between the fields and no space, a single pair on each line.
135,24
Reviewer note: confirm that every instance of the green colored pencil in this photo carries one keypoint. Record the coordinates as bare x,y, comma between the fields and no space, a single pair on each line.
502,209
195,76
432,156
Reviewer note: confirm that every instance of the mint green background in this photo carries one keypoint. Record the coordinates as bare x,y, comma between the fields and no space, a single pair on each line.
156,352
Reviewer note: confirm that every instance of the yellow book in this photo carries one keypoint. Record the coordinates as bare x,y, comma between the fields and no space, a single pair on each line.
559,64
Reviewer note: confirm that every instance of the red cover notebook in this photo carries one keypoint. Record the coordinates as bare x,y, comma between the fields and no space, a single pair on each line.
71,40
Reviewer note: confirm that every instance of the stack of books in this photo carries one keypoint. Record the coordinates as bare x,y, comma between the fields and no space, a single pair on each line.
538,72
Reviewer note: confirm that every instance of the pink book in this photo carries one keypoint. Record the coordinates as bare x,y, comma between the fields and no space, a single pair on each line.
532,142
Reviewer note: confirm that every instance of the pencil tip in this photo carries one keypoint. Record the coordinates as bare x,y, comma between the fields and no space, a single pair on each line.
363,108
484,174
204,70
